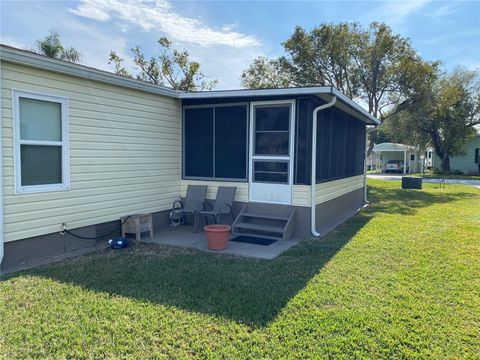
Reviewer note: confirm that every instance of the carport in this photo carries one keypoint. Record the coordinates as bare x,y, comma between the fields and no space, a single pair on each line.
406,153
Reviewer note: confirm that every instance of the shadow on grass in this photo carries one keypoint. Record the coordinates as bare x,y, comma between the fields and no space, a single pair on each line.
251,291
406,201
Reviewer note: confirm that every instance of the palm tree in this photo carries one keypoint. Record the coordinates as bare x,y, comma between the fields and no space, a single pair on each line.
52,47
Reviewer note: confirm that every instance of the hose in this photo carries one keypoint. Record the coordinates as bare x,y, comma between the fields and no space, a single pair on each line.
65,230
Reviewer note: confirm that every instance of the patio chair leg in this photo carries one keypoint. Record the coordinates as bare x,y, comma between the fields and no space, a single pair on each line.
195,222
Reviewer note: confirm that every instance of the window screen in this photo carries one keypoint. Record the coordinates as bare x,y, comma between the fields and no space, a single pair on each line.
199,142
215,144
40,120
270,171
41,165
272,125
231,142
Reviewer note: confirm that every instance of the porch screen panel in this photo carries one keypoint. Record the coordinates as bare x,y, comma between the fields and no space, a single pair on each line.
198,142
231,142
340,146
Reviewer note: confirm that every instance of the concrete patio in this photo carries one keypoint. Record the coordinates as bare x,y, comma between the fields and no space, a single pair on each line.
184,236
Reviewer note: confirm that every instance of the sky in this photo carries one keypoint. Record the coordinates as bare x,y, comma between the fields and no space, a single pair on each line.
225,36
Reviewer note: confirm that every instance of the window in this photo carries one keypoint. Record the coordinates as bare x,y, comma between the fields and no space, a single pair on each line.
41,142
477,156
215,142
412,157
429,154
272,129
270,171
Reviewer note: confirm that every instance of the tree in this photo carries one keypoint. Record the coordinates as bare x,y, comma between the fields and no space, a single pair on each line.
266,73
172,68
52,47
370,65
445,114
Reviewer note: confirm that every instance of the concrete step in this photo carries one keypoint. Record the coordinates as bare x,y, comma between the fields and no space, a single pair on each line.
260,227
265,216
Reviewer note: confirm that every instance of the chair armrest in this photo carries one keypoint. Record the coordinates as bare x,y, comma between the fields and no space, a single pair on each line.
226,207
200,206
206,206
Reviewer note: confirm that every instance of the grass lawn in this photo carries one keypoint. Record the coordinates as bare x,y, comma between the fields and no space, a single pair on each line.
399,280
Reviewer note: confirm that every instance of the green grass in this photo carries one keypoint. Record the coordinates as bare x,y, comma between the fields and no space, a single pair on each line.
399,280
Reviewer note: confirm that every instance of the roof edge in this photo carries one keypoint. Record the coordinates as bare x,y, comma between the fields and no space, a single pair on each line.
313,90
23,57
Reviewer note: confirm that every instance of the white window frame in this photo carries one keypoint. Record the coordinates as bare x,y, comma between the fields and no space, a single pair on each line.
63,101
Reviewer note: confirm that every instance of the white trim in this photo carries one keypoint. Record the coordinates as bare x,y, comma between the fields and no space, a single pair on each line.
64,144
291,148
255,92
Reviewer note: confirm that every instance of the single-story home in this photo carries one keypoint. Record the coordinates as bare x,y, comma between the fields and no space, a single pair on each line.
467,163
85,147
409,156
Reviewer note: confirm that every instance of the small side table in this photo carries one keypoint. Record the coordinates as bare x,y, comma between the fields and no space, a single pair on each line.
136,224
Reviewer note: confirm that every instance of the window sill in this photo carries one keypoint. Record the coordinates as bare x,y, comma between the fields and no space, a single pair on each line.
40,189
213,179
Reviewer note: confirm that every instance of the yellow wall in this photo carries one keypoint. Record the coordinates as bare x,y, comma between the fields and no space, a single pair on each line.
241,194
125,148
326,191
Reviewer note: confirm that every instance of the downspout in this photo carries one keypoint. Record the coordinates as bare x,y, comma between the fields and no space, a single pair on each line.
314,164
367,131
365,200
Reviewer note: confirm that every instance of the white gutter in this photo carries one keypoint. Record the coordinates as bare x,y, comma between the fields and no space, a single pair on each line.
365,200
367,131
314,164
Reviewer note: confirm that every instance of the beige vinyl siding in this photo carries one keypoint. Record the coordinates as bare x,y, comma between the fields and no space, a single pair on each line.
241,194
301,195
332,189
326,191
125,154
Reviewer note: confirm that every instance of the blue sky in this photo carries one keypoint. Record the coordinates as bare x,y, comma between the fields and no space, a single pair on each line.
224,36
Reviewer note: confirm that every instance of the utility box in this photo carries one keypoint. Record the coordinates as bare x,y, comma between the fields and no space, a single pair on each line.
410,182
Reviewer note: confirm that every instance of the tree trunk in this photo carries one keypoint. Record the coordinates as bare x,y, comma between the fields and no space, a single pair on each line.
371,141
445,163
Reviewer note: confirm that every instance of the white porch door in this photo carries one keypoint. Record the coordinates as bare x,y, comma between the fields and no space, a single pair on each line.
271,151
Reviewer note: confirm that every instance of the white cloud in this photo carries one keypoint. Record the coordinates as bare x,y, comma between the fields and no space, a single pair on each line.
443,10
159,15
398,11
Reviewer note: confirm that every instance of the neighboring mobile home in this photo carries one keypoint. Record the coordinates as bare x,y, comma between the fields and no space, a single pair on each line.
467,163
85,147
